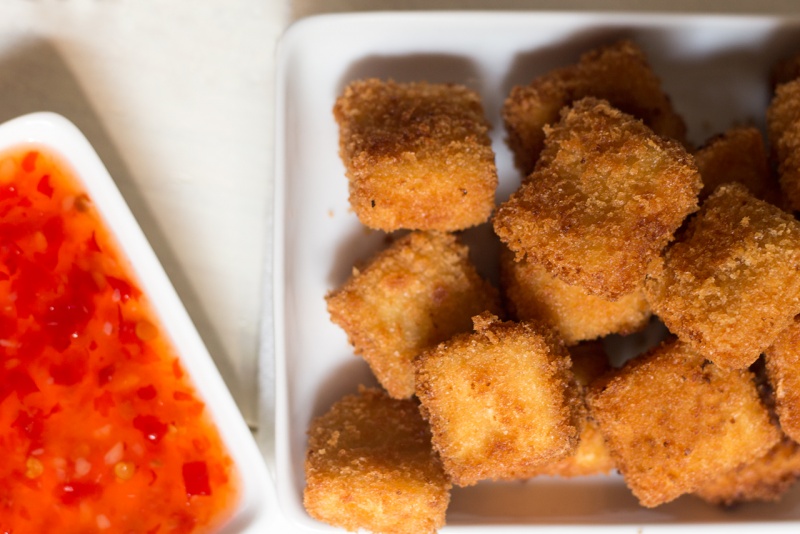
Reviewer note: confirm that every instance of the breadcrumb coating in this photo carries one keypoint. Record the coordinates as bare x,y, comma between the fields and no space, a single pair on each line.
731,284
674,420
370,465
501,401
768,477
765,479
783,130
619,73
604,200
783,370
737,155
416,293
417,155
530,292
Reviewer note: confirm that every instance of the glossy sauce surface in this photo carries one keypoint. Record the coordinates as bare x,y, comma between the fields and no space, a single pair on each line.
100,428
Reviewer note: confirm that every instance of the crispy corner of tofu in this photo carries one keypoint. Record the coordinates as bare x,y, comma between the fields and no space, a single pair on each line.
370,465
673,420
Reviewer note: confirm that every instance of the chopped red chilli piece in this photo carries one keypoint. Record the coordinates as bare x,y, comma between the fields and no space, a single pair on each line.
73,492
44,186
181,396
29,161
30,424
151,427
21,382
177,370
105,375
69,372
146,393
92,244
195,478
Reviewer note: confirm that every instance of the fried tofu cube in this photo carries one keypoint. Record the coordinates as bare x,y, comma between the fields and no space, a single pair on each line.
783,131
765,479
783,372
370,465
591,457
605,199
417,155
419,291
731,284
531,292
737,155
768,477
500,401
674,420
619,73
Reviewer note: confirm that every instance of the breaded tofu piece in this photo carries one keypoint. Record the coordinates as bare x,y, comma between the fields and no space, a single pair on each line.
619,73
737,155
765,479
674,420
591,457
605,199
783,372
501,401
783,131
731,284
530,292
417,155
370,465
416,293
768,477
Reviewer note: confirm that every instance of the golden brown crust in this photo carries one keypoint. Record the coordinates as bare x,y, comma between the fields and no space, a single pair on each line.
768,477
605,198
731,284
765,479
411,296
737,155
783,371
370,465
783,130
417,155
618,73
501,401
532,293
673,420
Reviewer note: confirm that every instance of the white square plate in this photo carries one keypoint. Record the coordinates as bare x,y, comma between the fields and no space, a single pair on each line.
716,70
56,134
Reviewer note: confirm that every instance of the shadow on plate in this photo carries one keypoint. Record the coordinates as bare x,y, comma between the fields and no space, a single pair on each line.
598,500
344,380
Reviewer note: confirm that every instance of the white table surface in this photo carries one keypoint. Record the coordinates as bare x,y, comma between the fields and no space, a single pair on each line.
177,99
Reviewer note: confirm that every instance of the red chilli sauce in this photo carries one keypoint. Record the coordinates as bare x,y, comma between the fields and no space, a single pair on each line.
100,428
